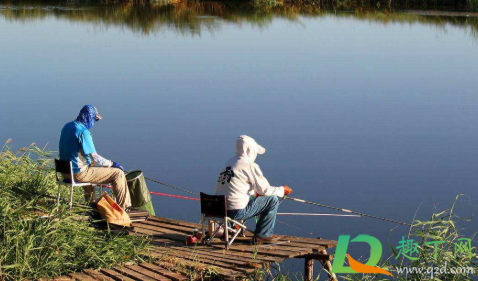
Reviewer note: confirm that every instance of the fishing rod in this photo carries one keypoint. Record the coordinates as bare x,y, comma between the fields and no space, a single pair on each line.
312,214
345,210
296,200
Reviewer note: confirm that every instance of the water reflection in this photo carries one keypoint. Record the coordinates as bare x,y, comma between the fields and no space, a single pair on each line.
193,17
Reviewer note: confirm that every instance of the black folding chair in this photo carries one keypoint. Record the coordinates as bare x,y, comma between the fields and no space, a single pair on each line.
214,209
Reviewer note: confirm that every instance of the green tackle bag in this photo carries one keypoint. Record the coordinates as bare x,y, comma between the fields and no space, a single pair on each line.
140,197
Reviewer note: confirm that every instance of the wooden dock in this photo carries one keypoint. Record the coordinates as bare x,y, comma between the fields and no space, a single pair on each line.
173,260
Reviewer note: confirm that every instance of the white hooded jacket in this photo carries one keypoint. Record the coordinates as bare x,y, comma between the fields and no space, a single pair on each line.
242,177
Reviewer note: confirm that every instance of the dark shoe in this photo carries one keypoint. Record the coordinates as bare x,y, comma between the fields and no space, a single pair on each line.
257,240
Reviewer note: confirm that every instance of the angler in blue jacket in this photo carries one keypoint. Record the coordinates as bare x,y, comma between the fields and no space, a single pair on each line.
76,145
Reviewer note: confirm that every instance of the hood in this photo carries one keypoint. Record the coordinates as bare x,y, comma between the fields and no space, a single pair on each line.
87,116
248,147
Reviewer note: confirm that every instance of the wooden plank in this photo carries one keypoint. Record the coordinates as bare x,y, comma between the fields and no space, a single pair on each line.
235,252
168,242
187,230
318,257
282,245
115,275
97,275
286,252
229,256
219,262
265,250
221,268
149,273
214,256
298,248
223,272
303,240
176,222
316,241
81,276
62,278
132,274
162,233
173,276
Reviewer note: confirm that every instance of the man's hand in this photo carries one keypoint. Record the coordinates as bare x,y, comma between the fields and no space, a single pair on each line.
287,190
118,166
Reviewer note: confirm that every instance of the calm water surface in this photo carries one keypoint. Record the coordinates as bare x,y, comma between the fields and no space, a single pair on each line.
370,111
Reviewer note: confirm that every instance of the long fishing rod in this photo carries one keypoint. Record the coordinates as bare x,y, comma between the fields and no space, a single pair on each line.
345,210
321,215
296,200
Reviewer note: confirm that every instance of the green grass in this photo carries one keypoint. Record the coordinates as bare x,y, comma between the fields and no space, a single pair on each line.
32,247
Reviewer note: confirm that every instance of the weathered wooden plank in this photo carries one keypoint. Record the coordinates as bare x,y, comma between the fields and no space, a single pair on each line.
148,273
97,275
132,274
235,252
318,256
304,240
290,243
168,242
223,272
81,276
162,233
176,222
281,245
215,257
185,229
115,275
61,278
289,247
173,276
263,250
229,256
236,266
222,268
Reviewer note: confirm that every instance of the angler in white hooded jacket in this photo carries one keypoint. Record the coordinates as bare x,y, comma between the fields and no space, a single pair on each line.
241,180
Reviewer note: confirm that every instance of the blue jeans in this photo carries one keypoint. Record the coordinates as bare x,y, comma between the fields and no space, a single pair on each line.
266,207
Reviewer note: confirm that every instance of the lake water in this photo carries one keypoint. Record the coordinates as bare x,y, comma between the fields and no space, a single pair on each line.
371,111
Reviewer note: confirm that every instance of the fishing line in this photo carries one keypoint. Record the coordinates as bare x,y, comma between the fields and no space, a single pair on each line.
296,227
300,201
346,211
190,192
172,186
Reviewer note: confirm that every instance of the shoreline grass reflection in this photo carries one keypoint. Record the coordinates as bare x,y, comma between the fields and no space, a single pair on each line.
193,17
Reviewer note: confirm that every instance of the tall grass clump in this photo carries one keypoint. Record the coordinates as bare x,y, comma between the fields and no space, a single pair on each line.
441,226
37,239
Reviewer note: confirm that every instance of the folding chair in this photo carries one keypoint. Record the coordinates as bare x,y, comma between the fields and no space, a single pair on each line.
214,209
65,168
